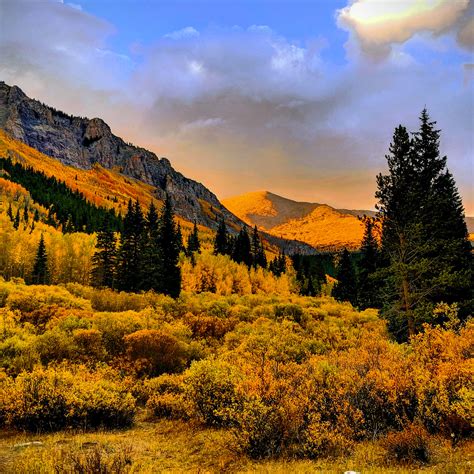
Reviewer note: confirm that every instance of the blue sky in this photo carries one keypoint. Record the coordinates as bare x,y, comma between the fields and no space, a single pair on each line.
297,97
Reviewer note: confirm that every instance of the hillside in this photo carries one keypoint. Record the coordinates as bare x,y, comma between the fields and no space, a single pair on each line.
85,143
319,225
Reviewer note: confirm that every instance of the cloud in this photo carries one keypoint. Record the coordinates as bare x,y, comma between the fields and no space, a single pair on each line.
241,108
378,25
184,33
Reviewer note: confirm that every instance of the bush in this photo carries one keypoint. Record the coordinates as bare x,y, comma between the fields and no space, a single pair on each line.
210,388
155,352
259,430
52,399
412,445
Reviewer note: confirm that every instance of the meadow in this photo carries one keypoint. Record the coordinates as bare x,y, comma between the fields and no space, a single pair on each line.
98,381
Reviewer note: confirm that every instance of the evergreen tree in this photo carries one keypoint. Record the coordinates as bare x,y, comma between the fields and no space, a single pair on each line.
129,266
368,288
278,265
10,211
346,287
25,214
425,252
151,265
221,241
193,241
258,252
170,283
104,259
40,275
36,216
179,238
242,252
16,222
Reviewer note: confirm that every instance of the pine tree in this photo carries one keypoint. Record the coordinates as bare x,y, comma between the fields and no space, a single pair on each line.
425,252
258,252
40,274
221,241
193,241
179,238
368,288
170,282
36,216
242,252
25,214
10,212
346,287
129,265
16,222
151,265
104,259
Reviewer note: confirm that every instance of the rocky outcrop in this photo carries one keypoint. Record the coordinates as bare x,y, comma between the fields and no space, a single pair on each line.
81,142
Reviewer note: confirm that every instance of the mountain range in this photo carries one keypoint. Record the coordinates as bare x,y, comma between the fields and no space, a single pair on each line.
104,167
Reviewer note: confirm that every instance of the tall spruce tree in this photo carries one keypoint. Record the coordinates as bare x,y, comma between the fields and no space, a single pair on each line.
242,252
104,259
150,276
40,274
346,287
193,241
425,251
368,288
129,265
259,258
10,212
221,241
170,281
16,221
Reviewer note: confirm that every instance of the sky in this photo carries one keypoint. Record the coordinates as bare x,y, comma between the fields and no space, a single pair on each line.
298,97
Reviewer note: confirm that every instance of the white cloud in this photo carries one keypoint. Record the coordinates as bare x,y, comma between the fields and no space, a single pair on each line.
379,24
184,33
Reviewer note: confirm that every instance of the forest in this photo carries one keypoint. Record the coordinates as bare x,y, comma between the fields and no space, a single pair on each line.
116,327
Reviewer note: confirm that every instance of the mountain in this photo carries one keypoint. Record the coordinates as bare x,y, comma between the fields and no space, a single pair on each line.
319,225
82,143
108,171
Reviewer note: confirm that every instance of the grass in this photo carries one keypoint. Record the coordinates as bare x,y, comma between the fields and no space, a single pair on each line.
171,446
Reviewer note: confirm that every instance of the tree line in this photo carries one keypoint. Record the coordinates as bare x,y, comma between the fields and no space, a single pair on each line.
66,207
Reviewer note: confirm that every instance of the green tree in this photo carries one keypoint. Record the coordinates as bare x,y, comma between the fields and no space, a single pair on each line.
242,252
368,288
346,287
151,258
104,259
259,258
170,281
425,253
193,241
16,222
221,241
130,256
40,274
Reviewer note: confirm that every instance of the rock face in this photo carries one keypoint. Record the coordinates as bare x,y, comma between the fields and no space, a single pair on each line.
81,142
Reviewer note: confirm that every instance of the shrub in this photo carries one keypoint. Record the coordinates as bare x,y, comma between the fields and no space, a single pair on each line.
210,388
259,430
165,395
155,352
52,399
322,439
412,445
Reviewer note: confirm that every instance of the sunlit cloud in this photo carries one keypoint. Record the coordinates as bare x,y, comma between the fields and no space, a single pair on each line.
377,25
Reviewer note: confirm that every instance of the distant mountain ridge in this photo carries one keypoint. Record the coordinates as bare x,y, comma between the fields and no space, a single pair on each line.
319,225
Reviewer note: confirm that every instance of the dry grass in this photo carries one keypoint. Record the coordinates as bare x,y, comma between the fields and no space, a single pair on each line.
172,446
